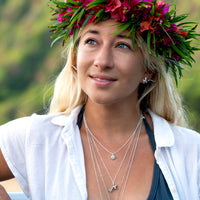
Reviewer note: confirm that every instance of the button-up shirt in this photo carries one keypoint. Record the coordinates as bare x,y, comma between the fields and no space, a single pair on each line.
45,154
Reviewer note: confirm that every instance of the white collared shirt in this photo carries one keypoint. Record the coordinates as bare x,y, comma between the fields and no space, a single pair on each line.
45,154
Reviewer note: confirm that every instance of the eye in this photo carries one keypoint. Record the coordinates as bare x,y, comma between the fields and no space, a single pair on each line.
90,41
123,46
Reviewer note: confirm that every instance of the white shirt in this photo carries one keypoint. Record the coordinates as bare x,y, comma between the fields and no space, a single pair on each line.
45,154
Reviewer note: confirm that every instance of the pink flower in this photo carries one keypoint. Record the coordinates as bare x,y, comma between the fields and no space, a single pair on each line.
119,10
86,2
60,15
134,4
162,7
113,5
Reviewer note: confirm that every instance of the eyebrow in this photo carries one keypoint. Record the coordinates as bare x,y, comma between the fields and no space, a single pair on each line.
123,36
91,31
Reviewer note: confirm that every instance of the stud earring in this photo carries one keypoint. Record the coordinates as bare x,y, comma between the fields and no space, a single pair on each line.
145,80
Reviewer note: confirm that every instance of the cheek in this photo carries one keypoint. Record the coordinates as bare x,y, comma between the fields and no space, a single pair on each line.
83,58
134,71
82,69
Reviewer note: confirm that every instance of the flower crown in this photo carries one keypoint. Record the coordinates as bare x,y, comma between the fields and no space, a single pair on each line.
160,28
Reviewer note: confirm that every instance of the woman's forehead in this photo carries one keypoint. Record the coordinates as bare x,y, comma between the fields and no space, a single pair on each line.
109,26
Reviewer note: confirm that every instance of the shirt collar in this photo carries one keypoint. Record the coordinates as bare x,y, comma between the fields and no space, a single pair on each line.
163,133
64,119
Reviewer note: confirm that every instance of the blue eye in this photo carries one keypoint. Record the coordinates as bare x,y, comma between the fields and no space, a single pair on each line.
91,42
123,46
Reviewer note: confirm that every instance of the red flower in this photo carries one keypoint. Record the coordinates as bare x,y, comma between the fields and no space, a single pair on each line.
146,26
182,32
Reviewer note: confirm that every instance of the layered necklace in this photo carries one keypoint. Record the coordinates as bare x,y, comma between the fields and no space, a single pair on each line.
130,144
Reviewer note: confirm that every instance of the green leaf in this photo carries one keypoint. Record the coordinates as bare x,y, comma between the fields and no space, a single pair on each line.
149,42
173,69
179,18
95,3
80,15
178,66
133,38
75,35
75,2
58,34
75,15
86,20
166,33
55,40
100,12
187,23
154,42
122,27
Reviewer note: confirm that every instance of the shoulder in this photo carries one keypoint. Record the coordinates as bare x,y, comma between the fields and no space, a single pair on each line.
167,134
186,139
24,124
38,127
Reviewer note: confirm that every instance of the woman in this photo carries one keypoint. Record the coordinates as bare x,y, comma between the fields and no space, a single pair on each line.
115,128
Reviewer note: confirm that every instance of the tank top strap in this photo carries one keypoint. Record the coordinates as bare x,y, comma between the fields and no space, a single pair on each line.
150,134
159,188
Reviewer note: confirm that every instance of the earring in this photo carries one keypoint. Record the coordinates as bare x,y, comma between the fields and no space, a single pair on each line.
74,67
145,80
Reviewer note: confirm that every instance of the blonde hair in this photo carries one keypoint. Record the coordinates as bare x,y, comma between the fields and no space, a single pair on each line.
160,96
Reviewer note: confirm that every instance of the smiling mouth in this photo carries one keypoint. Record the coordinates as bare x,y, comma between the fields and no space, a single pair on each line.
99,79
102,80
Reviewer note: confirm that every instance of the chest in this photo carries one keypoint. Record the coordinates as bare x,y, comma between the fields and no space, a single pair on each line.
127,177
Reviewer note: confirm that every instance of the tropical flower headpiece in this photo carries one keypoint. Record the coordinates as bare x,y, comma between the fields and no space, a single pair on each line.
163,31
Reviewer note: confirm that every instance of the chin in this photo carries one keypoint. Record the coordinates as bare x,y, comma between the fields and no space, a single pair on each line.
104,100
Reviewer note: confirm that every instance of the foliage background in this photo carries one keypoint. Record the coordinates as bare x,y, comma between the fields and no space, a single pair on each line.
28,65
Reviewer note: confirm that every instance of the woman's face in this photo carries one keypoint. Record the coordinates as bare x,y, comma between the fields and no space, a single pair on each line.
109,68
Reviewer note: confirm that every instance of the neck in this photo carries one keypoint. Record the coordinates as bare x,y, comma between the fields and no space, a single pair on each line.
111,121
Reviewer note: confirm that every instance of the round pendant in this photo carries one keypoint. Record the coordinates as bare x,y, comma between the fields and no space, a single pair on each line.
113,157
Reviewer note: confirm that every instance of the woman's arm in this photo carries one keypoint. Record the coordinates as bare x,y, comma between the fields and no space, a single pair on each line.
5,172
3,194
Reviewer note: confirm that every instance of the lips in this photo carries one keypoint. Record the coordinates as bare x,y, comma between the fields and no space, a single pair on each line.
102,77
102,80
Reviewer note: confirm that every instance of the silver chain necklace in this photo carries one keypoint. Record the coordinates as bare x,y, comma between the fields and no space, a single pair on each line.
92,145
113,154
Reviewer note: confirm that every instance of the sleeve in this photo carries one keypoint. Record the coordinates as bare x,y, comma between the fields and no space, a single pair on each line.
13,140
198,178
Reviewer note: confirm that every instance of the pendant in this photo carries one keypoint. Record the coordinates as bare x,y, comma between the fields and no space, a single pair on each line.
114,187
113,157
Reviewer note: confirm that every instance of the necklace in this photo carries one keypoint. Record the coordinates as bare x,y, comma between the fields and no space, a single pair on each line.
113,154
94,161
129,164
92,145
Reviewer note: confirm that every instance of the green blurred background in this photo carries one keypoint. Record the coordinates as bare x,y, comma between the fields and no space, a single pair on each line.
29,66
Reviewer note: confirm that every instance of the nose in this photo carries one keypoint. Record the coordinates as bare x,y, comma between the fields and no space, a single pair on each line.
104,58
